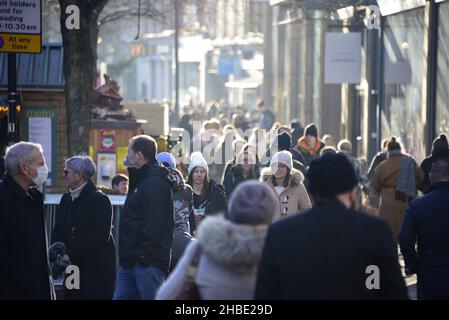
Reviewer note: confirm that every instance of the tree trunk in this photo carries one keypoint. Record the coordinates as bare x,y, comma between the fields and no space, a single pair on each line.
80,58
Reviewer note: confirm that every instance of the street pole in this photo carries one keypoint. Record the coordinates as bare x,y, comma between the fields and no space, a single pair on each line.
13,99
176,60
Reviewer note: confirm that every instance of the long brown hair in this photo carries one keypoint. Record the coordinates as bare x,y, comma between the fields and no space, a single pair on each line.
205,184
286,179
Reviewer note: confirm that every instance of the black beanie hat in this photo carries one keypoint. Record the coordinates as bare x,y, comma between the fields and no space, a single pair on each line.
284,141
440,143
311,130
330,175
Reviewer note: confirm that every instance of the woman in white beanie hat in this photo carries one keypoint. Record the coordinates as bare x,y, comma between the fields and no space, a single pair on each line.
208,196
288,184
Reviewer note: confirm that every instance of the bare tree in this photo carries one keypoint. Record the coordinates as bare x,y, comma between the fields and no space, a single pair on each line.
80,56
80,49
117,10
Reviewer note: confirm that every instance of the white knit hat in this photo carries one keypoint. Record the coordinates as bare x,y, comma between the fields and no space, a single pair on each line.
197,160
284,157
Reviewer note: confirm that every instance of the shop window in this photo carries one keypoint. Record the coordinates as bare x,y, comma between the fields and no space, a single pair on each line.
403,112
442,116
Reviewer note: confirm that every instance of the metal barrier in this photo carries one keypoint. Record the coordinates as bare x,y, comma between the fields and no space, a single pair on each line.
51,204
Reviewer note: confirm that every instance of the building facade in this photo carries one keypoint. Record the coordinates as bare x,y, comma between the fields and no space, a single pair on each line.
403,54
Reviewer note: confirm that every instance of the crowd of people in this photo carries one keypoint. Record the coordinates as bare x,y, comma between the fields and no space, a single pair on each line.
282,216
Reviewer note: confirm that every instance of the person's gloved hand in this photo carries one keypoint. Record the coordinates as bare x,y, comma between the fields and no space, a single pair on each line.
63,261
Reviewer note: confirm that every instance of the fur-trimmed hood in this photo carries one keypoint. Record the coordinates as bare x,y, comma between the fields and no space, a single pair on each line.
236,247
296,177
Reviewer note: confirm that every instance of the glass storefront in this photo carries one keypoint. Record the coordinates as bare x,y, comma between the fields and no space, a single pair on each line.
442,106
404,113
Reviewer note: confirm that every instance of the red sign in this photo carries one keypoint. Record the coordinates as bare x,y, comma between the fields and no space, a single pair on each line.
107,140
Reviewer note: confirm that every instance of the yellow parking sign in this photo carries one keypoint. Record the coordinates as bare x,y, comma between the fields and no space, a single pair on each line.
20,43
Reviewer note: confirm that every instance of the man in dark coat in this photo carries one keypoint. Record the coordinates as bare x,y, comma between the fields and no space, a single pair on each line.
330,251
24,266
146,224
378,159
427,223
440,150
373,197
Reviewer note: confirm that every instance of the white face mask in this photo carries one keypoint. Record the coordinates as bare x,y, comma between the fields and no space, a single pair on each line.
42,175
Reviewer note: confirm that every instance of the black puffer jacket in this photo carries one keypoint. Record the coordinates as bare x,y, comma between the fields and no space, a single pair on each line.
147,221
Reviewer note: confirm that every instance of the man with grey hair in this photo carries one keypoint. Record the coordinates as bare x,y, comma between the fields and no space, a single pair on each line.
24,267
345,147
426,222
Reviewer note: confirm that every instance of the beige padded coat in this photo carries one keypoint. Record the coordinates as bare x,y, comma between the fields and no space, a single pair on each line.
294,199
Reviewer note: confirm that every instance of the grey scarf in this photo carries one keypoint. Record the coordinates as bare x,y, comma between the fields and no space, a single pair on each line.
406,184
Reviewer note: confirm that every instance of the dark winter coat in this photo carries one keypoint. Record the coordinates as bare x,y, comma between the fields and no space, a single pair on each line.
379,157
84,225
216,200
147,220
24,266
426,166
234,176
182,201
324,253
183,210
427,222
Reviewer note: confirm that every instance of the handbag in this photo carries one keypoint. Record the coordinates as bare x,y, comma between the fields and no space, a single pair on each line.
190,290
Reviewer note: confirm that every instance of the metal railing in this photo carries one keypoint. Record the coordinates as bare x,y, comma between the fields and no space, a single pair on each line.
51,204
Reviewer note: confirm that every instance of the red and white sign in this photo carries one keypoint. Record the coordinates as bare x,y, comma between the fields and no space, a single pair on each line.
107,141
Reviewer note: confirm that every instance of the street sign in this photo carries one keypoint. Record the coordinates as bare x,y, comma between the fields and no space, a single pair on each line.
21,26
342,57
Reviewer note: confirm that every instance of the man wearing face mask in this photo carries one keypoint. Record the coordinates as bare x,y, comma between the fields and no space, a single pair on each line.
331,250
24,267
